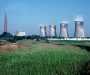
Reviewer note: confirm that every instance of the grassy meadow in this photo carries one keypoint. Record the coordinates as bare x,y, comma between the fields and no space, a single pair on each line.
41,58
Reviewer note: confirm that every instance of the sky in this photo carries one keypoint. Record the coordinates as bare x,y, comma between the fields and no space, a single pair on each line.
28,15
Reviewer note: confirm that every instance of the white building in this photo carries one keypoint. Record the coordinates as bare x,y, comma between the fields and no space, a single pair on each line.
20,33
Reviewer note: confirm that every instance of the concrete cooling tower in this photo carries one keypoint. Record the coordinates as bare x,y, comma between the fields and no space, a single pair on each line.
52,31
42,31
79,30
64,29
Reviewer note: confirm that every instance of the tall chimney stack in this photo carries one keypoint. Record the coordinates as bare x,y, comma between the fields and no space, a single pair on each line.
5,23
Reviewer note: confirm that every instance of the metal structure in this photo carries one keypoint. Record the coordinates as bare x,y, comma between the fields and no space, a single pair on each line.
42,31
79,30
52,31
64,29
5,23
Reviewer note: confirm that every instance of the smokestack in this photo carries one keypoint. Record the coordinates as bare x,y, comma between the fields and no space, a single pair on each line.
64,29
42,31
5,23
79,30
52,31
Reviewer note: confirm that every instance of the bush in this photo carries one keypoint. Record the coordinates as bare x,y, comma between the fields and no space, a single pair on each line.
12,40
86,69
19,37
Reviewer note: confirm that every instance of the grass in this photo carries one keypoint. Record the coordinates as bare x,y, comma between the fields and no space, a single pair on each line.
43,59
74,42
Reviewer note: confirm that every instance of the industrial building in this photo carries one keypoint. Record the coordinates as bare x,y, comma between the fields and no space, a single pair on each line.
20,33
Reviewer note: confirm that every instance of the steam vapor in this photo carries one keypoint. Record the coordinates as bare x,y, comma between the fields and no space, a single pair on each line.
78,18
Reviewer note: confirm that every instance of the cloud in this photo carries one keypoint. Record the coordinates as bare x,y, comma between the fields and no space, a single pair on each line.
41,24
64,21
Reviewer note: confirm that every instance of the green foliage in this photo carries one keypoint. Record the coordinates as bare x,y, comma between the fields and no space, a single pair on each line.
11,40
43,59
19,37
6,35
73,42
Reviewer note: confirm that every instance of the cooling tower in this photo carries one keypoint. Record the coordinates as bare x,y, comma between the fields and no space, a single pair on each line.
64,29
42,31
52,31
79,30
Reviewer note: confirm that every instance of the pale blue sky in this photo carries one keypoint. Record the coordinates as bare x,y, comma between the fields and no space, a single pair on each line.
27,15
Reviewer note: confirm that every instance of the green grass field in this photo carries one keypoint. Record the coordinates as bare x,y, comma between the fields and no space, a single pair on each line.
74,42
40,58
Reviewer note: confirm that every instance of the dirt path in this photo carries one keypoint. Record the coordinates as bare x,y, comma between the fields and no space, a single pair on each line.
11,46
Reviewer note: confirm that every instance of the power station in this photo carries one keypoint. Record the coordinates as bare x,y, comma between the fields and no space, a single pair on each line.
78,33
64,29
79,30
42,31
52,31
